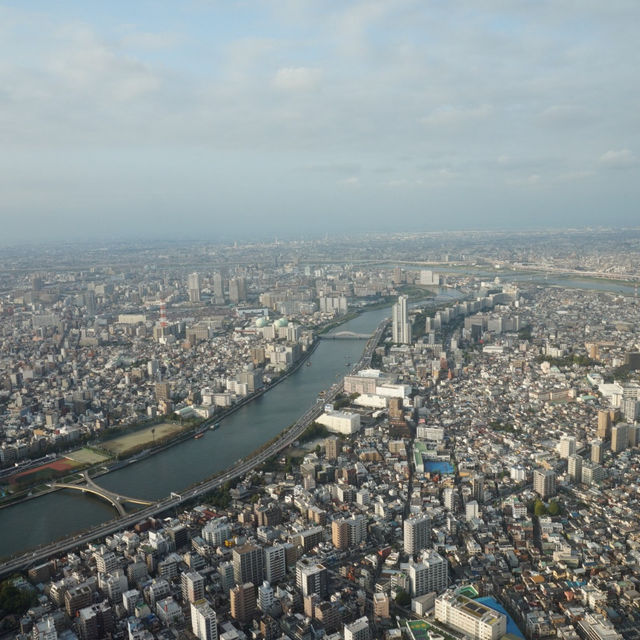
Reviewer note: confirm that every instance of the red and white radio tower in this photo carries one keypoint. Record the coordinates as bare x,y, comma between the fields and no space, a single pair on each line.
163,315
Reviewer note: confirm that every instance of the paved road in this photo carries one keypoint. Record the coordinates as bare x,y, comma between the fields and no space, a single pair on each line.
242,466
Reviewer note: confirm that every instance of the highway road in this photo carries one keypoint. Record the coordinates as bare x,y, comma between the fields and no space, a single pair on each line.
242,466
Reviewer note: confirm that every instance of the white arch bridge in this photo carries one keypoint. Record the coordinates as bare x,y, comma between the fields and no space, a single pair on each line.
89,486
345,335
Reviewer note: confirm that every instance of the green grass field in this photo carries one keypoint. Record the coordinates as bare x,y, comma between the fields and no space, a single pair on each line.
122,445
86,456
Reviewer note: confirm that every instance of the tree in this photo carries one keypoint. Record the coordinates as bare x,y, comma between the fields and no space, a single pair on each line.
554,508
403,598
539,509
14,600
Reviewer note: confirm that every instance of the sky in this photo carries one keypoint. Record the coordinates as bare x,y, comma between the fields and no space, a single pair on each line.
212,119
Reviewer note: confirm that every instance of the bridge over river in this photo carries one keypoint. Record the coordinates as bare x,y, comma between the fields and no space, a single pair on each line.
89,486
345,335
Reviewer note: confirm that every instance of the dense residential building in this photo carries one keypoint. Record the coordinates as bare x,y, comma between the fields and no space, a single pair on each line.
497,401
417,534
243,602
429,574
311,578
203,621
248,564
544,483
192,587
470,617
357,630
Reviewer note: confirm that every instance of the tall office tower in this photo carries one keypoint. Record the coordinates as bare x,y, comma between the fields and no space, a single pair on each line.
340,534
248,564
37,283
567,446
90,302
597,451
153,369
193,285
544,483
629,408
477,487
471,510
358,630
243,602
619,437
237,289
592,473
332,447
430,574
163,391
357,529
417,534
401,327
203,621
192,587
265,597
218,287
225,569
449,498
312,578
575,467
604,424
275,564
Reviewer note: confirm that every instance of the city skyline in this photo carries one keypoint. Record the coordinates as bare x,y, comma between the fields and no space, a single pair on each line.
461,473
237,122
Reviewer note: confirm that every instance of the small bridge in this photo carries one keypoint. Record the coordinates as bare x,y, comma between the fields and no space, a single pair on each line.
89,486
345,335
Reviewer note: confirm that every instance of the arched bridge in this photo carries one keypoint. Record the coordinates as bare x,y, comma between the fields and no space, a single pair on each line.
89,486
345,335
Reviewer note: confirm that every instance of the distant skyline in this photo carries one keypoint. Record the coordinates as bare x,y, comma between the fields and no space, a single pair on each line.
235,120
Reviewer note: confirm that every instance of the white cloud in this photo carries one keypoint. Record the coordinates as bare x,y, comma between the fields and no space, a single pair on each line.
531,180
448,116
296,78
351,181
149,41
565,116
621,159
88,66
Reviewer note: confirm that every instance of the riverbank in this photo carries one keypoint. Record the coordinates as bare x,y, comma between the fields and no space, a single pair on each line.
69,537
64,513
101,469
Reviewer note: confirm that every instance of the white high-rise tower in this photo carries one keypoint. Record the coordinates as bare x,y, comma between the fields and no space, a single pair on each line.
401,326
193,285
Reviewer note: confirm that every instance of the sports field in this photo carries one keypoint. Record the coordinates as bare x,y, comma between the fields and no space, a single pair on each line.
133,441
86,456
45,472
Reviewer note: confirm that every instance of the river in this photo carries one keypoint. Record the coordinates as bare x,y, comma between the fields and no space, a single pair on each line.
62,513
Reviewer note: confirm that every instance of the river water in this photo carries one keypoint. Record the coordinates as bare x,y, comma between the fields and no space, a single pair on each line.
61,513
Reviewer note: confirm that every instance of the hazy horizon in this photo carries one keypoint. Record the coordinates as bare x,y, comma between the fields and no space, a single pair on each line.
205,120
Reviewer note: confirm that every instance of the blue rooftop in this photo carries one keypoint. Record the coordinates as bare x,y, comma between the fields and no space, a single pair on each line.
496,606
